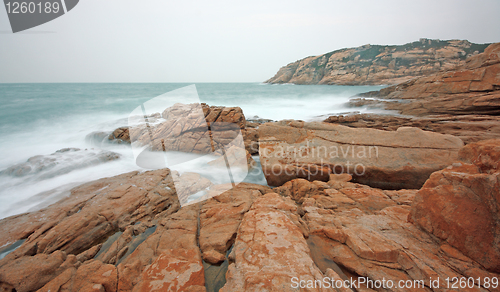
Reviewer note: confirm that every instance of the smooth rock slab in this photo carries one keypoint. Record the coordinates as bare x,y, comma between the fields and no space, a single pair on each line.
402,159
269,251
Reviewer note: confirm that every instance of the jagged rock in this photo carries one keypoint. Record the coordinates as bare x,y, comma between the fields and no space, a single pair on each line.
362,239
469,128
220,218
460,204
387,159
375,64
90,276
93,212
128,233
182,124
193,128
473,88
120,135
125,233
30,273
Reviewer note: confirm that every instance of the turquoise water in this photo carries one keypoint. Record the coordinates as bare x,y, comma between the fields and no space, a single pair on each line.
39,119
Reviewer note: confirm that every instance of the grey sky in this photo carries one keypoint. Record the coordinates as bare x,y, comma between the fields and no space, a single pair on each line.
222,41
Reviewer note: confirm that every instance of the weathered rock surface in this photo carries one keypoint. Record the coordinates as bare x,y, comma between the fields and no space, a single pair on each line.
375,64
314,229
120,135
128,233
461,204
182,128
472,88
270,250
386,159
60,162
220,218
191,128
469,128
125,233
366,234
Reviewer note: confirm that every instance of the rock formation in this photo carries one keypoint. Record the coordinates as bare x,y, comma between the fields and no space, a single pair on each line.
386,159
128,233
121,135
461,204
473,88
196,128
469,128
375,64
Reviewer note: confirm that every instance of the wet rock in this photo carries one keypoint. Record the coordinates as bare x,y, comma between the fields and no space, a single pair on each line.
120,135
97,138
55,164
196,128
389,160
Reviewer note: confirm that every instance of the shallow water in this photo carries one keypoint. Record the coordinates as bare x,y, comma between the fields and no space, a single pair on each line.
39,119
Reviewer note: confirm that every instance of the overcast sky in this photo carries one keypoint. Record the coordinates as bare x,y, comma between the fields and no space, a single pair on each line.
222,41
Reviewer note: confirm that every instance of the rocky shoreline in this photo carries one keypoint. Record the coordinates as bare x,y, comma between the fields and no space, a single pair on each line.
378,65
424,209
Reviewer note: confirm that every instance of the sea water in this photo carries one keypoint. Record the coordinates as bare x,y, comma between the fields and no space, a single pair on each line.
39,119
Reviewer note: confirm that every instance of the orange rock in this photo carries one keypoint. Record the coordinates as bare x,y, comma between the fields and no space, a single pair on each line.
460,204
91,276
269,251
173,270
30,273
469,128
220,218
374,64
472,88
385,159
186,128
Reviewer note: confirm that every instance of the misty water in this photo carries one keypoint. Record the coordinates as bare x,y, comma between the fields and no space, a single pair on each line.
40,119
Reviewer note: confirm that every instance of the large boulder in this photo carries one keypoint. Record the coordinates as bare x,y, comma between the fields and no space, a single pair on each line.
128,233
194,128
386,159
460,204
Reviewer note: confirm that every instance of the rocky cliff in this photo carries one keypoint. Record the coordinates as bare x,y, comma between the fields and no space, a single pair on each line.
376,64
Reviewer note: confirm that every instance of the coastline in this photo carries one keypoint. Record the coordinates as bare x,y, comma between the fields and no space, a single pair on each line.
127,232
